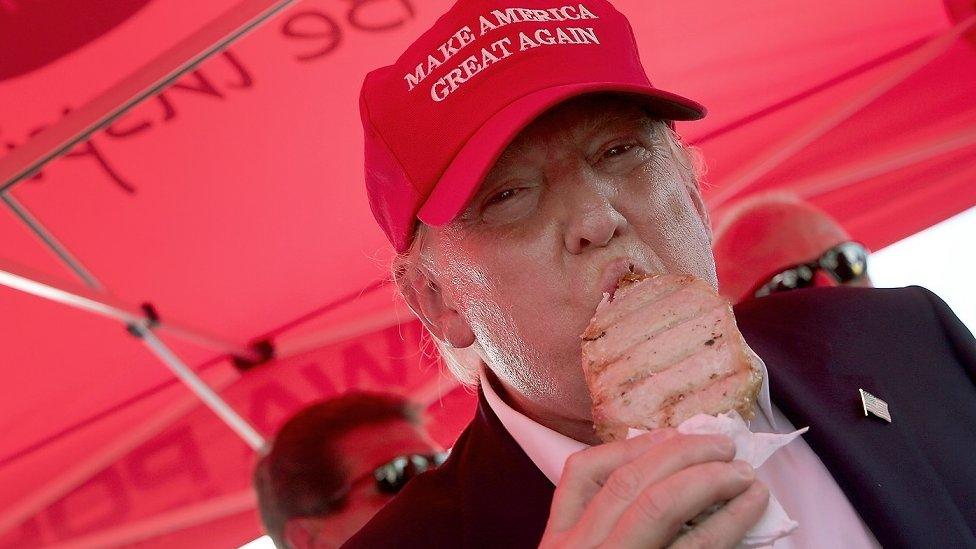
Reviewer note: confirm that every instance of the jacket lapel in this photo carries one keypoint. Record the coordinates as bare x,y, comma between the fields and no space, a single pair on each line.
505,498
878,466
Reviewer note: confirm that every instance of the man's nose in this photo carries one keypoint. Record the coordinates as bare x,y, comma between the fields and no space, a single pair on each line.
593,221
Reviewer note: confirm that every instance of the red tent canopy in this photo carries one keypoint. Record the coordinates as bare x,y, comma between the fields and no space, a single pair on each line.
232,201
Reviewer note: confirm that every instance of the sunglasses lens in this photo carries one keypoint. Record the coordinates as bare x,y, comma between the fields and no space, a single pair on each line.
797,277
392,477
847,261
389,477
800,276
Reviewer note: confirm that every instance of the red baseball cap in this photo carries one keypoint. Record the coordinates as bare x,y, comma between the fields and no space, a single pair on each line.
437,119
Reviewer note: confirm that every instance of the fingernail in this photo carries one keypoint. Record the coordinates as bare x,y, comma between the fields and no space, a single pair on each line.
744,469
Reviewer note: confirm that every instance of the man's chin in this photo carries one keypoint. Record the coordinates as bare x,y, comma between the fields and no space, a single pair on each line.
573,394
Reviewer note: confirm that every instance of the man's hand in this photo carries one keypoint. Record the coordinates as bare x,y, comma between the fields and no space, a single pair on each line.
639,492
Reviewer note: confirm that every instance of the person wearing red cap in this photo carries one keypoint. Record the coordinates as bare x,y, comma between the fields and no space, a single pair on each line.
520,161
776,242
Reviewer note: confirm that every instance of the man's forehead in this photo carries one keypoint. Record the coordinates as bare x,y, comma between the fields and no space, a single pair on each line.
573,120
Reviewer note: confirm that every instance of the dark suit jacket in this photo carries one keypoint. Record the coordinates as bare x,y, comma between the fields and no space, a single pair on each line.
912,481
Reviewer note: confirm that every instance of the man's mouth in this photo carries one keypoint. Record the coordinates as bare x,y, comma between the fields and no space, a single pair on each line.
616,286
617,270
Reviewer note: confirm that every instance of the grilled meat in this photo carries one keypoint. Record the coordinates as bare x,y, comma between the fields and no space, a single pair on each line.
664,348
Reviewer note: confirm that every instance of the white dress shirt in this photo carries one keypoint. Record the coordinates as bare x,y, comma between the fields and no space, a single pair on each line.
794,474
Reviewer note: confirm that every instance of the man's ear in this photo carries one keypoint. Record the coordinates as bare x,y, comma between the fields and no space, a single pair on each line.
434,307
297,535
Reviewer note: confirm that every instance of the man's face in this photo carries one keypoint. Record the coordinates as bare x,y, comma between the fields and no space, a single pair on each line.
364,449
584,194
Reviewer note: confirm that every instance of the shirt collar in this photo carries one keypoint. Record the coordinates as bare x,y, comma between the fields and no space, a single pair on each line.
549,449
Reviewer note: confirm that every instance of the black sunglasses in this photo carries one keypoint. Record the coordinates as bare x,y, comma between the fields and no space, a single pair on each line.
389,478
846,262
392,476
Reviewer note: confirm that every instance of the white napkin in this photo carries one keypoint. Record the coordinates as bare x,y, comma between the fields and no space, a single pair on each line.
754,448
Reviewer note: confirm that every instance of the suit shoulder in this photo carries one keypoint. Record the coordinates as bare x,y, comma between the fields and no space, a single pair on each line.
425,514
855,308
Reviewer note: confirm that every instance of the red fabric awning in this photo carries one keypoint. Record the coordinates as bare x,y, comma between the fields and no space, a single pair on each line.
234,201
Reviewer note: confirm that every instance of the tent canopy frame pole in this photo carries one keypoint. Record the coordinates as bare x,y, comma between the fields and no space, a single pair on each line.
141,323
208,396
49,240
95,462
148,80
106,306
78,126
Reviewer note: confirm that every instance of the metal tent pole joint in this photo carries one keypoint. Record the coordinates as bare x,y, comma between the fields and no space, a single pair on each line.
151,322
264,350
143,330
259,352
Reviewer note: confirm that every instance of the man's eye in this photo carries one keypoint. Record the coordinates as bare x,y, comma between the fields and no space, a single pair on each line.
619,150
502,196
510,203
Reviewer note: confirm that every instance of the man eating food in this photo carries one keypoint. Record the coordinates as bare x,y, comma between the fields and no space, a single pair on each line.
520,198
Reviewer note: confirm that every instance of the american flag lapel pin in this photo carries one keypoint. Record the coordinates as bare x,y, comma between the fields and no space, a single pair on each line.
874,405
